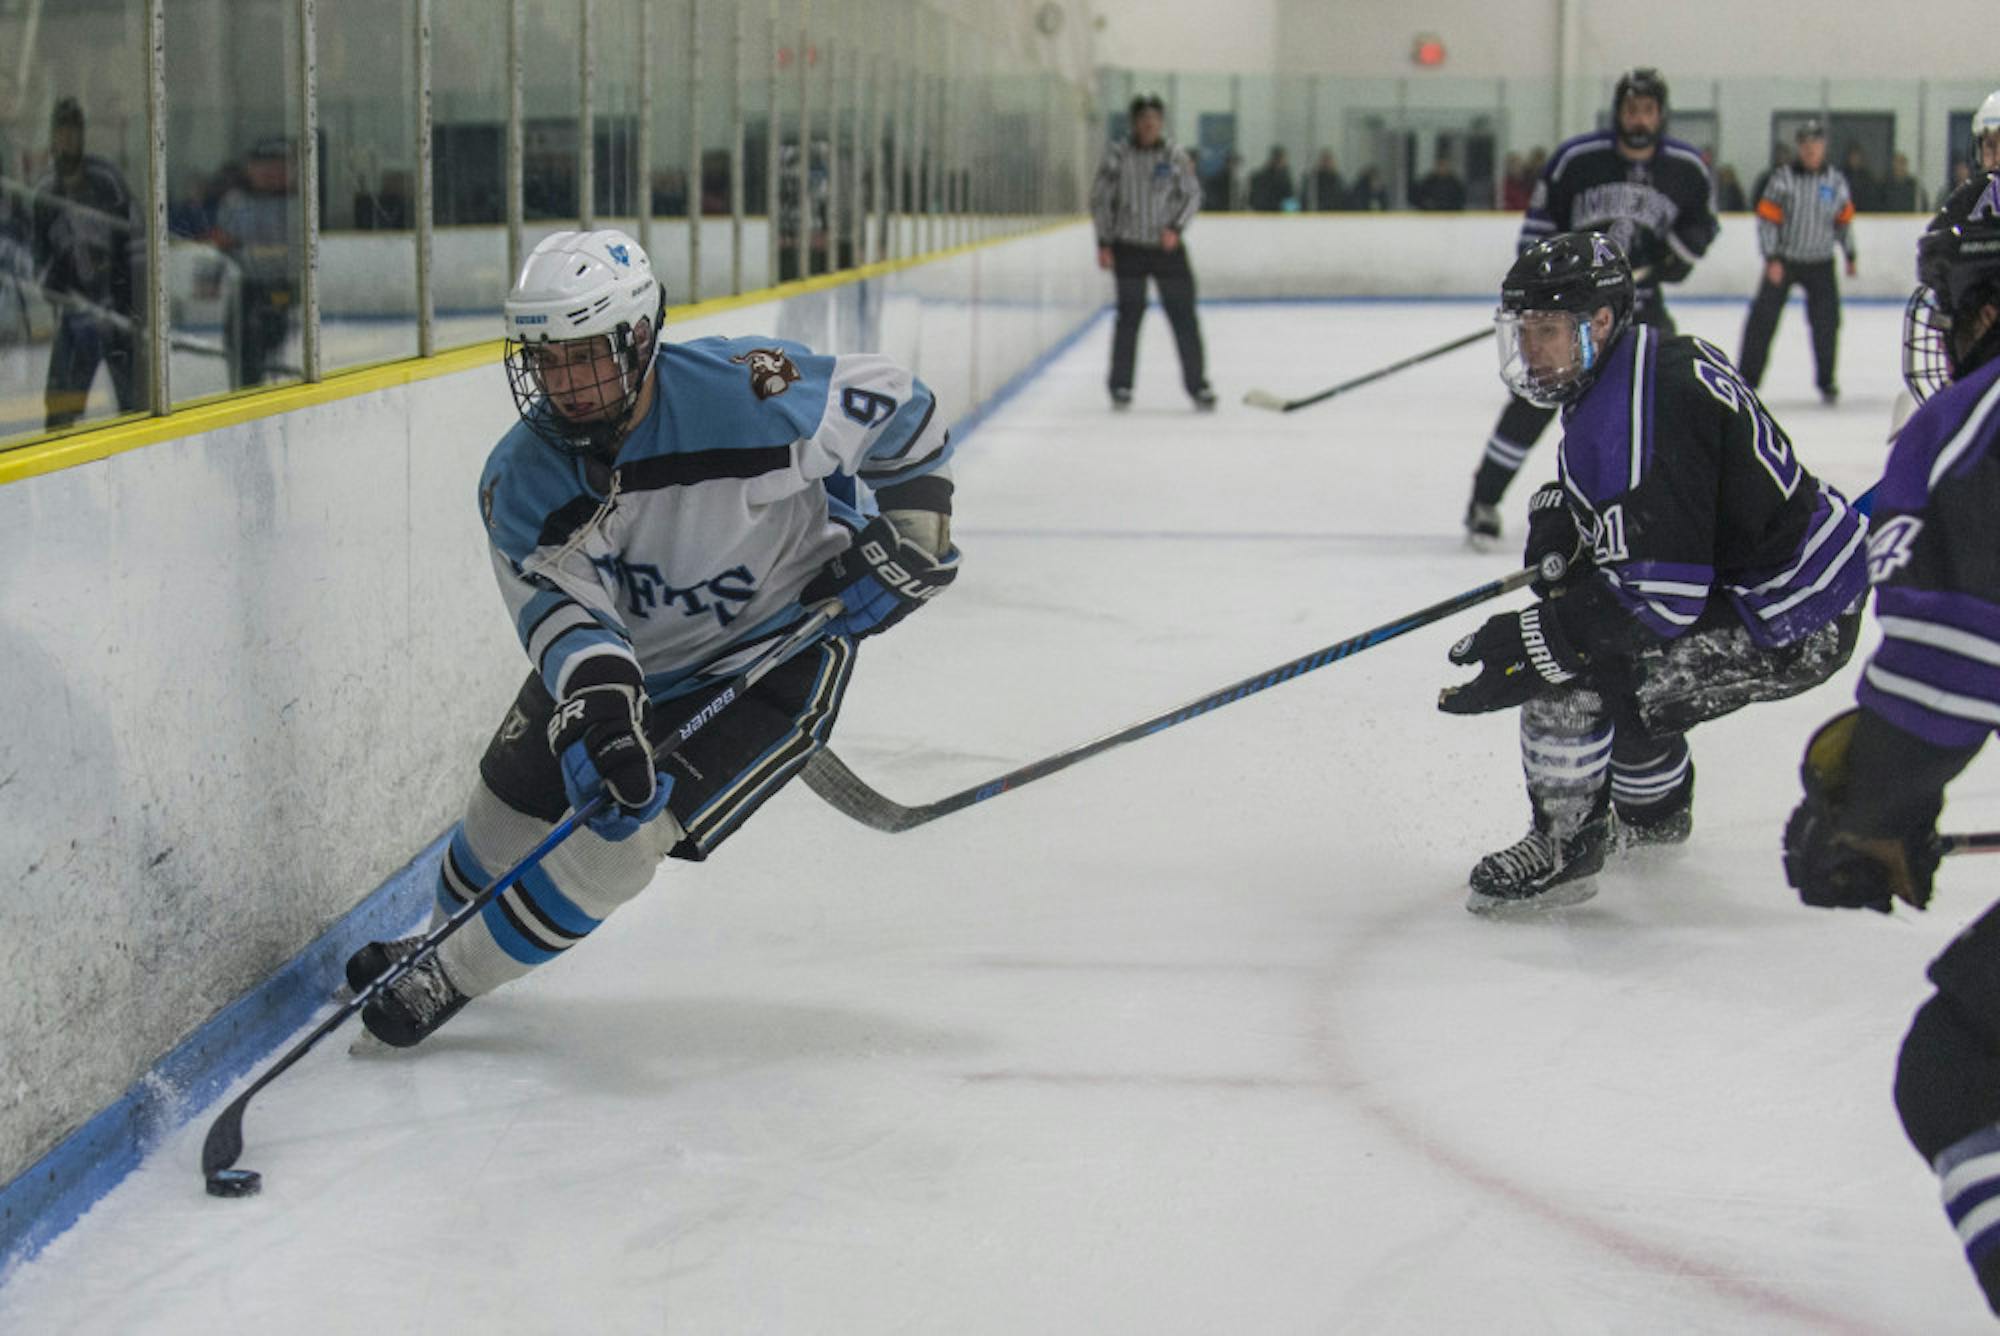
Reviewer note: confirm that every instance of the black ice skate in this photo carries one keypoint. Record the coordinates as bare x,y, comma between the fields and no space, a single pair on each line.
1482,524
1662,823
406,1012
1540,871
1204,399
373,960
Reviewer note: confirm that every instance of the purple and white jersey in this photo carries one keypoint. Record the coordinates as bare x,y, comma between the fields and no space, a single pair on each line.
1686,487
1934,557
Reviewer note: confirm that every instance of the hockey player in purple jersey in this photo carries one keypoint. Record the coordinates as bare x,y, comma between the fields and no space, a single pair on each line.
1648,192
660,515
1709,570
1865,836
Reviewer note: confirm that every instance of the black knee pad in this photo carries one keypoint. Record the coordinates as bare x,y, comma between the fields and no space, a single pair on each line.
1947,1078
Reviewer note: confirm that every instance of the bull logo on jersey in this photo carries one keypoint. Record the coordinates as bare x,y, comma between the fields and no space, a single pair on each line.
1891,545
644,590
771,371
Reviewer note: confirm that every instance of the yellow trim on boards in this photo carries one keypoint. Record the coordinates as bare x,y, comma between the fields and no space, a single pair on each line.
226,410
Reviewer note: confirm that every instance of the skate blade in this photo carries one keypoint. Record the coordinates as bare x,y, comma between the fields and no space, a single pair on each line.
1556,897
1482,542
366,1045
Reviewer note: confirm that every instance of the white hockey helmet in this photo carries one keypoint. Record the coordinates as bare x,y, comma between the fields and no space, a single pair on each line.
1986,133
582,286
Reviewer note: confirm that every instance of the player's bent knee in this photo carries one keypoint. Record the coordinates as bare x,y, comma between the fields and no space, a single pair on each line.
1947,1078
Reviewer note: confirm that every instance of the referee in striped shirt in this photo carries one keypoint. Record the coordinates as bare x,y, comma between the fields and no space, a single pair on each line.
1803,213
1145,195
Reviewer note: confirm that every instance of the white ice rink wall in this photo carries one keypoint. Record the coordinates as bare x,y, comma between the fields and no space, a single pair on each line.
248,672
1464,255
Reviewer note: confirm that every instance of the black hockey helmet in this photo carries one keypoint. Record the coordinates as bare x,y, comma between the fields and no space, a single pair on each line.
1958,272
1572,275
1641,81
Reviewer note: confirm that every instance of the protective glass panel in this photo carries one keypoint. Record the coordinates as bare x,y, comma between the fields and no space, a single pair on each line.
368,123
72,218
234,118
468,169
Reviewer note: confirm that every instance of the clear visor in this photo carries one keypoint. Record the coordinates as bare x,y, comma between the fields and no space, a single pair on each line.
1546,357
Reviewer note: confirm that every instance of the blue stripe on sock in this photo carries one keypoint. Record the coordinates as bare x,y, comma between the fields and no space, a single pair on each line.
538,887
460,852
510,939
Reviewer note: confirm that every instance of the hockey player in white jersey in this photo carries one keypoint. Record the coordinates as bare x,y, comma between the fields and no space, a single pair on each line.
660,515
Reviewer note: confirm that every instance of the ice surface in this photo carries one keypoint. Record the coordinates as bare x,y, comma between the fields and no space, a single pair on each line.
1196,1037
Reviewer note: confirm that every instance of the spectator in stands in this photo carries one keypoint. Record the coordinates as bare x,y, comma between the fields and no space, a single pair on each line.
1443,191
1900,193
1961,172
1516,185
1328,190
1369,192
1221,190
1729,191
1861,180
253,225
86,243
1271,184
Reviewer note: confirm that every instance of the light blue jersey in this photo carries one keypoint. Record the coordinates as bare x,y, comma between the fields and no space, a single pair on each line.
691,549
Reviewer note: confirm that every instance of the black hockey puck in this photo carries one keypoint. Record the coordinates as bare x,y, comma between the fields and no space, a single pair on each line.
235,1183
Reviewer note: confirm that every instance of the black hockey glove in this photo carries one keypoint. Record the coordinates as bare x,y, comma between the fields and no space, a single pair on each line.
881,579
1552,531
599,736
1832,866
1520,655
1672,266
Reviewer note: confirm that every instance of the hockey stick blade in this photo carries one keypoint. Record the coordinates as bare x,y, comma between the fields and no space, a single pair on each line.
223,1145
847,793
1264,399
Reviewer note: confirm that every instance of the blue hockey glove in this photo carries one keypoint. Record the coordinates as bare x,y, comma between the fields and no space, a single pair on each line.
599,737
1520,655
881,579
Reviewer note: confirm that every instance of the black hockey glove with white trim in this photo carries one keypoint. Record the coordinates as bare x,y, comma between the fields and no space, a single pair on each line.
1552,531
881,579
1520,655
598,734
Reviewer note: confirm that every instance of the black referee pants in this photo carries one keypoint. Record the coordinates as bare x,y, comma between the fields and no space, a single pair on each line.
1822,313
1168,269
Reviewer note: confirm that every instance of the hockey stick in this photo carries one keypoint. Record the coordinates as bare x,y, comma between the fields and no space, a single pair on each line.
224,1143
828,776
1266,399
1970,842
